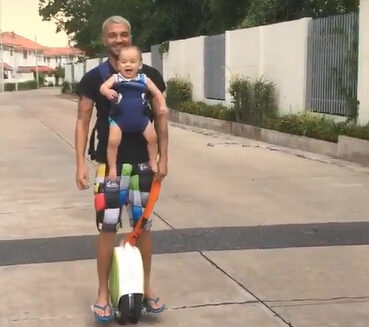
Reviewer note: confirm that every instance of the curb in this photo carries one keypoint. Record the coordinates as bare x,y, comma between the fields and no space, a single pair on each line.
348,149
348,152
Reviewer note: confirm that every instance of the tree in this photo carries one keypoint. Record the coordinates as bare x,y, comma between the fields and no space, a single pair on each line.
70,16
156,21
264,12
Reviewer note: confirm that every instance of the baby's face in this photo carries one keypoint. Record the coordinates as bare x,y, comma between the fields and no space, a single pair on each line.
129,62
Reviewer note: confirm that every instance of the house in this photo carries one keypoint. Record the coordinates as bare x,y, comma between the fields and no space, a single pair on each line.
20,56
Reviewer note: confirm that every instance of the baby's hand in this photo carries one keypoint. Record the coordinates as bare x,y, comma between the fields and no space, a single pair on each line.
111,95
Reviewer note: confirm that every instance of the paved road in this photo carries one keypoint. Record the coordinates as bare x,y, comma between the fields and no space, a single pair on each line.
243,235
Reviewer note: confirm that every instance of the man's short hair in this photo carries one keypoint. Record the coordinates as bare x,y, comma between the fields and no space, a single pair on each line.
116,20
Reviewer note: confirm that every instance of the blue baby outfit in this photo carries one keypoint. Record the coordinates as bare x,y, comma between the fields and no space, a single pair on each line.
129,112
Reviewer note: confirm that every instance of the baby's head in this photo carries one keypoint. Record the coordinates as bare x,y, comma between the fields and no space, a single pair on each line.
130,61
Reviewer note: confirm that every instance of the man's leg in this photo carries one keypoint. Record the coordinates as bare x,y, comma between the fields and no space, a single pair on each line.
105,246
108,222
140,185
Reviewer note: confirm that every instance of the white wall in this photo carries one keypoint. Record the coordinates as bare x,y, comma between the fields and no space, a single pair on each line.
178,62
363,69
279,53
16,58
146,58
242,58
81,68
20,77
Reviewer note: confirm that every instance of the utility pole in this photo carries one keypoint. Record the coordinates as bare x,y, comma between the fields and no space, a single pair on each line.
15,68
37,79
1,57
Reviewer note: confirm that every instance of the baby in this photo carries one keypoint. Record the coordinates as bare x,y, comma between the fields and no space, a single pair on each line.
128,112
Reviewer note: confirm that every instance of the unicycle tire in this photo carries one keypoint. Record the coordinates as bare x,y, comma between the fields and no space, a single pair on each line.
123,310
129,309
136,309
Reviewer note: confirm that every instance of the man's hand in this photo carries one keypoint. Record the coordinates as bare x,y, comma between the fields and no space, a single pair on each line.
162,169
82,177
85,108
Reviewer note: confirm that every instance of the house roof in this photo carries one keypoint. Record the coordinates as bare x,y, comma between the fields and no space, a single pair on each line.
7,66
32,69
19,42
22,43
58,51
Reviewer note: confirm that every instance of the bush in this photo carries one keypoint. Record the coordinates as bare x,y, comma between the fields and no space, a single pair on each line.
201,108
305,124
254,104
179,90
253,101
359,132
69,88
66,87
22,86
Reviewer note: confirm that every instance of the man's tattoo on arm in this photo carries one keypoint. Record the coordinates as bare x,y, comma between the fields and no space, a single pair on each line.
85,107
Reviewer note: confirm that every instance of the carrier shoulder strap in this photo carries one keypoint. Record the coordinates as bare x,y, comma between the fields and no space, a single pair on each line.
104,70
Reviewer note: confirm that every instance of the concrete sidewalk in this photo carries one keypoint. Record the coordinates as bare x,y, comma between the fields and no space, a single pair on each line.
243,236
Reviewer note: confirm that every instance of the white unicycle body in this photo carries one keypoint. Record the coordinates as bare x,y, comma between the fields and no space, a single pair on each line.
126,284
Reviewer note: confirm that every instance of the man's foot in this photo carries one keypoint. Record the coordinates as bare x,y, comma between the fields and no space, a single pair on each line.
153,166
153,304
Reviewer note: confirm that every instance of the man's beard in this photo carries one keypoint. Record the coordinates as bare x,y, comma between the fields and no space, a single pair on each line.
118,48
113,54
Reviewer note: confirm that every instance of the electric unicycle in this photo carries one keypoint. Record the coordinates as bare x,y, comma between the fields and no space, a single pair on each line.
126,280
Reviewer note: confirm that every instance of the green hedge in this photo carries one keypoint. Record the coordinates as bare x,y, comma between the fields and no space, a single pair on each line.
253,103
178,90
22,86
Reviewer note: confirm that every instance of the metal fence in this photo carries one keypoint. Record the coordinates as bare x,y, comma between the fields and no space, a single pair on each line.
214,61
156,58
332,64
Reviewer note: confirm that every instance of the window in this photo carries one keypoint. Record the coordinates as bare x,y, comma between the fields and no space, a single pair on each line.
25,55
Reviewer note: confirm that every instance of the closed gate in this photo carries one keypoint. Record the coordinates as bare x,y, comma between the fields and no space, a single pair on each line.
214,61
156,58
332,64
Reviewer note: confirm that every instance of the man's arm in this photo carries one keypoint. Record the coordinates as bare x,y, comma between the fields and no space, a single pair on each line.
160,117
161,127
85,109
156,94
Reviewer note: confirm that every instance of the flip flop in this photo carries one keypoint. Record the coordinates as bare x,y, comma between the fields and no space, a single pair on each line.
149,308
102,308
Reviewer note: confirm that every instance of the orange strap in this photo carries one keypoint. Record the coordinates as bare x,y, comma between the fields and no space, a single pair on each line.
131,238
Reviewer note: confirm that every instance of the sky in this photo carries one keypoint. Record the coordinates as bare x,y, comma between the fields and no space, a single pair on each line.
21,16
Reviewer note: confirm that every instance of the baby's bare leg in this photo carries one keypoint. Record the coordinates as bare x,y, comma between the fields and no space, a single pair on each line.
151,138
115,137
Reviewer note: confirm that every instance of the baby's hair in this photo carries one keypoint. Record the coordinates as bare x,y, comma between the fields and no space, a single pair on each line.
133,47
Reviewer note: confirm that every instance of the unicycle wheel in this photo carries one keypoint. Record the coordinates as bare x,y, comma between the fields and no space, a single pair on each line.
129,309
